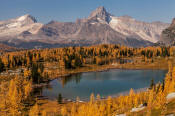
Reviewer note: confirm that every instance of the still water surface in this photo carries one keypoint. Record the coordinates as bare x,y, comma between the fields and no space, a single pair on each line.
112,82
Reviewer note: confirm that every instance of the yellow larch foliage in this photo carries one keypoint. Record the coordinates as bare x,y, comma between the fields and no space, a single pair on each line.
64,111
34,111
27,89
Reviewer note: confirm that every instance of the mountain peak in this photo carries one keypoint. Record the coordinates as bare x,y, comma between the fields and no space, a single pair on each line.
101,8
101,13
27,18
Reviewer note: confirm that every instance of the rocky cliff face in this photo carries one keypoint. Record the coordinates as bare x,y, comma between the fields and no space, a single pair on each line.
99,28
101,14
128,26
168,35
173,23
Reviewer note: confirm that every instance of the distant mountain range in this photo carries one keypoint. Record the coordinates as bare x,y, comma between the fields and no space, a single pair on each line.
99,28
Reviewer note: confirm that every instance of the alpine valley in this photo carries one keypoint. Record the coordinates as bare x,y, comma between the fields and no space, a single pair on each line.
100,27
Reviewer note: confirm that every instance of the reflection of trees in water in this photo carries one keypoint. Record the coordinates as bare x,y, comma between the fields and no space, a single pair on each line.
37,91
123,61
77,77
65,80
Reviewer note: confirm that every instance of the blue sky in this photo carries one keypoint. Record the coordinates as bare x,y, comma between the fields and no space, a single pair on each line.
70,10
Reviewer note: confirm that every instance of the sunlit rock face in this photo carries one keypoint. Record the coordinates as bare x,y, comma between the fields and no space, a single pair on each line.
168,35
131,27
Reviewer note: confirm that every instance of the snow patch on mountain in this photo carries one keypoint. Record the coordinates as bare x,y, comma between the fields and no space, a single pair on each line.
114,20
12,25
22,18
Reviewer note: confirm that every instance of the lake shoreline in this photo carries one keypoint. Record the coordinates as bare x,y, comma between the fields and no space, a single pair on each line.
114,94
70,101
105,68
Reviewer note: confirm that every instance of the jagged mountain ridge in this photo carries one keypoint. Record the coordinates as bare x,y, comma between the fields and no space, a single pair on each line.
99,28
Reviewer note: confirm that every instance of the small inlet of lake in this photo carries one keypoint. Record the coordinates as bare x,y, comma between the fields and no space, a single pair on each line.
108,83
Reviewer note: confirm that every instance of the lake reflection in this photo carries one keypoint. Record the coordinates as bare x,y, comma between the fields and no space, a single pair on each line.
107,83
